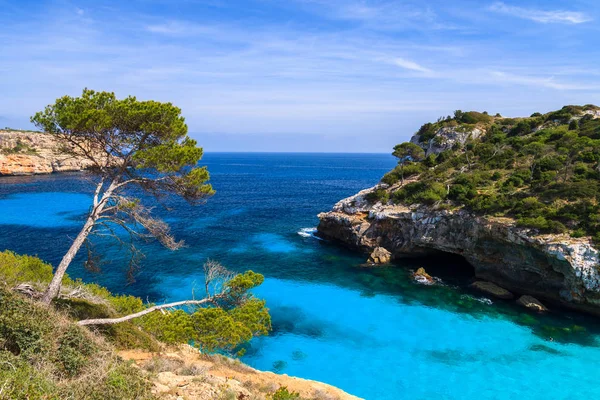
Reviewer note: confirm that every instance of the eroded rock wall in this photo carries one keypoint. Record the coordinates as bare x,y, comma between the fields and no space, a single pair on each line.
28,153
556,268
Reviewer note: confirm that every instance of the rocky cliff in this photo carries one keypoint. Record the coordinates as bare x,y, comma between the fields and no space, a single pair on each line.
27,153
556,268
559,268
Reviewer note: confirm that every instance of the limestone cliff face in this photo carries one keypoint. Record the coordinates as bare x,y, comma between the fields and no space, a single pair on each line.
27,153
445,138
556,268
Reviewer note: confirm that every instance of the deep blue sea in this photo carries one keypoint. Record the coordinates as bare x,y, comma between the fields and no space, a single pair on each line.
370,331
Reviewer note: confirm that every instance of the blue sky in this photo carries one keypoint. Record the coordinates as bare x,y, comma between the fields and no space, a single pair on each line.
303,75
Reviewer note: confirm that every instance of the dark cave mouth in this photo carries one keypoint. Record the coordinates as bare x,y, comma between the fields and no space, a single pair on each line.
449,267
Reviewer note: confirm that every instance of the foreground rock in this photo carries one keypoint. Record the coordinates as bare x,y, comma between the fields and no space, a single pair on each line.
492,290
531,303
29,153
380,256
186,374
421,276
554,268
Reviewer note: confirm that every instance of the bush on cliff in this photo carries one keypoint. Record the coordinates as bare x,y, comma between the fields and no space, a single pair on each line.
44,355
232,321
543,170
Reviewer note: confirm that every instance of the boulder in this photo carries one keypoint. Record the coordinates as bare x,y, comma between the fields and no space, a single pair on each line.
531,303
492,289
380,256
421,276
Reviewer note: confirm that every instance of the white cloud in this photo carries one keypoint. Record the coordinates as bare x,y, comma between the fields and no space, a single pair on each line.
229,75
380,15
542,16
410,65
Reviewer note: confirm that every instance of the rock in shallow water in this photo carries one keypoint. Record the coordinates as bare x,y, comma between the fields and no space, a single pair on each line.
380,256
492,289
531,303
421,276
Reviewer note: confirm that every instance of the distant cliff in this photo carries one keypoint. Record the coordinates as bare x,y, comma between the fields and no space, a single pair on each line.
28,153
518,198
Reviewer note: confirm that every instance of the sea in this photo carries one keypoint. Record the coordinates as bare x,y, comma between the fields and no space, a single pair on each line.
371,331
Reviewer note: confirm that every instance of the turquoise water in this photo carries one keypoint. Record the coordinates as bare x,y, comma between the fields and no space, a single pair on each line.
372,332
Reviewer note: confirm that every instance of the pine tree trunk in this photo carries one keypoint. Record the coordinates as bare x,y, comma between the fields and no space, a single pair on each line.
54,287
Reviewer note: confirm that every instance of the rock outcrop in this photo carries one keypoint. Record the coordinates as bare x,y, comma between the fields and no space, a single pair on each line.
556,268
183,373
446,138
421,276
492,289
531,303
380,256
29,153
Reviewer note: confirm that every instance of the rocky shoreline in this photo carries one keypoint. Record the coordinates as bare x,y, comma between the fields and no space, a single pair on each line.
33,153
185,373
558,269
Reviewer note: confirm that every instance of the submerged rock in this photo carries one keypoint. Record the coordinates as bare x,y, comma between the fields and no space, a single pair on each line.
421,276
531,303
380,256
492,289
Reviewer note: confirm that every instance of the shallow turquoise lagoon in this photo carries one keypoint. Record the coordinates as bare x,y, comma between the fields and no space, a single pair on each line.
372,332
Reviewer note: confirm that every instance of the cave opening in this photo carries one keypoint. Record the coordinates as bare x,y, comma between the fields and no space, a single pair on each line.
449,267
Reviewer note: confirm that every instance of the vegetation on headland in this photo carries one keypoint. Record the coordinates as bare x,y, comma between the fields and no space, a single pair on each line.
19,148
44,353
541,170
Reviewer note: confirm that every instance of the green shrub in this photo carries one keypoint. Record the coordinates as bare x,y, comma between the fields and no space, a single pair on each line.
44,355
15,269
427,132
284,394
381,195
533,222
22,381
523,127
420,193
74,350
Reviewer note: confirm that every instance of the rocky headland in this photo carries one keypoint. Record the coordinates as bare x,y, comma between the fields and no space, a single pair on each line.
30,153
557,265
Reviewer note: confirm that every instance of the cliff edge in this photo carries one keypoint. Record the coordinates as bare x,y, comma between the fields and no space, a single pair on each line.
29,153
459,194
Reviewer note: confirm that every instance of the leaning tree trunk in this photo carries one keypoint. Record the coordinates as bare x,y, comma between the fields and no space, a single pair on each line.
54,286
99,204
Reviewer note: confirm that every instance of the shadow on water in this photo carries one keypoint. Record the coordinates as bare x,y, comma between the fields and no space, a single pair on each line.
452,294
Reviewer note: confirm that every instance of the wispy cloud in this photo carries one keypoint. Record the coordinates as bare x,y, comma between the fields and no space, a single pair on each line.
542,16
411,65
173,28
380,15
337,67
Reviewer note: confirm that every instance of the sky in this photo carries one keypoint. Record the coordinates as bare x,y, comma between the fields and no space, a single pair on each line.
302,75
